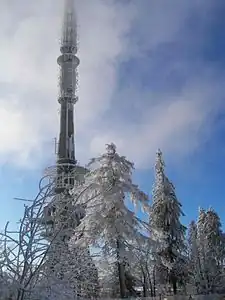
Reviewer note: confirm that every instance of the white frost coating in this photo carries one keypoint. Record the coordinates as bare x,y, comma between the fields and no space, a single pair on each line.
208,272
165,223
107,218
38,261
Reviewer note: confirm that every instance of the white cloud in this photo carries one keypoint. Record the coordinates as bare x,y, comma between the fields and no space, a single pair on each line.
28,51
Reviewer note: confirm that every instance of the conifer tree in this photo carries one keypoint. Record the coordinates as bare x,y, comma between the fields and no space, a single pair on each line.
201,283
108,221
194,266
211,251
165,225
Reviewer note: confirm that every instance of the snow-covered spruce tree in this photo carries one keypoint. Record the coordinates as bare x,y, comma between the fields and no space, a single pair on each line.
201,251
211,251
108,221
166,227
194,266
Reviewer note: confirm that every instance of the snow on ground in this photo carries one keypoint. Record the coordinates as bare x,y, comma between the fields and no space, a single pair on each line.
195,297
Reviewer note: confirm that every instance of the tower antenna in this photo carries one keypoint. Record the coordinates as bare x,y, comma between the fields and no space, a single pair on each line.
66,164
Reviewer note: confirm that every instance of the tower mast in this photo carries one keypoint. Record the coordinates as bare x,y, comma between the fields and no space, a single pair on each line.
62,213
66,173
68,62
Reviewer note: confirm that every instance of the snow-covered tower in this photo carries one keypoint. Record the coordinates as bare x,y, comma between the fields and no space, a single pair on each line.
67,168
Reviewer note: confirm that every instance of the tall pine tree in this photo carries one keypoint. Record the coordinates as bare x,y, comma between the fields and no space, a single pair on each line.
166,227
211,251
108,220
194,266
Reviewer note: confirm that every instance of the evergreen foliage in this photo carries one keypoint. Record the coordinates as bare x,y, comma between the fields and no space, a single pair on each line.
206,256
166,227
53,254
108,222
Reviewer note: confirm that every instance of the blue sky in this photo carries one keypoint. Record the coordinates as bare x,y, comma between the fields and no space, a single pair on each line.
152,75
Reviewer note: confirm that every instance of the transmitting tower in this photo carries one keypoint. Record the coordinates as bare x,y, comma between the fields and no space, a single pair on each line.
68,62
66,172
63,211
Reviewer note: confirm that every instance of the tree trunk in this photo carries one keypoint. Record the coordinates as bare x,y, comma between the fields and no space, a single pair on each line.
154,282
145,294
152,287
174,283
121,271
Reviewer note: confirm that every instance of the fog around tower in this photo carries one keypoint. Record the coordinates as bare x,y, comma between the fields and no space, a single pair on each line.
144,81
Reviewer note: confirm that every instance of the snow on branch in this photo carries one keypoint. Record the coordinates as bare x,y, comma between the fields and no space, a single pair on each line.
27,255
